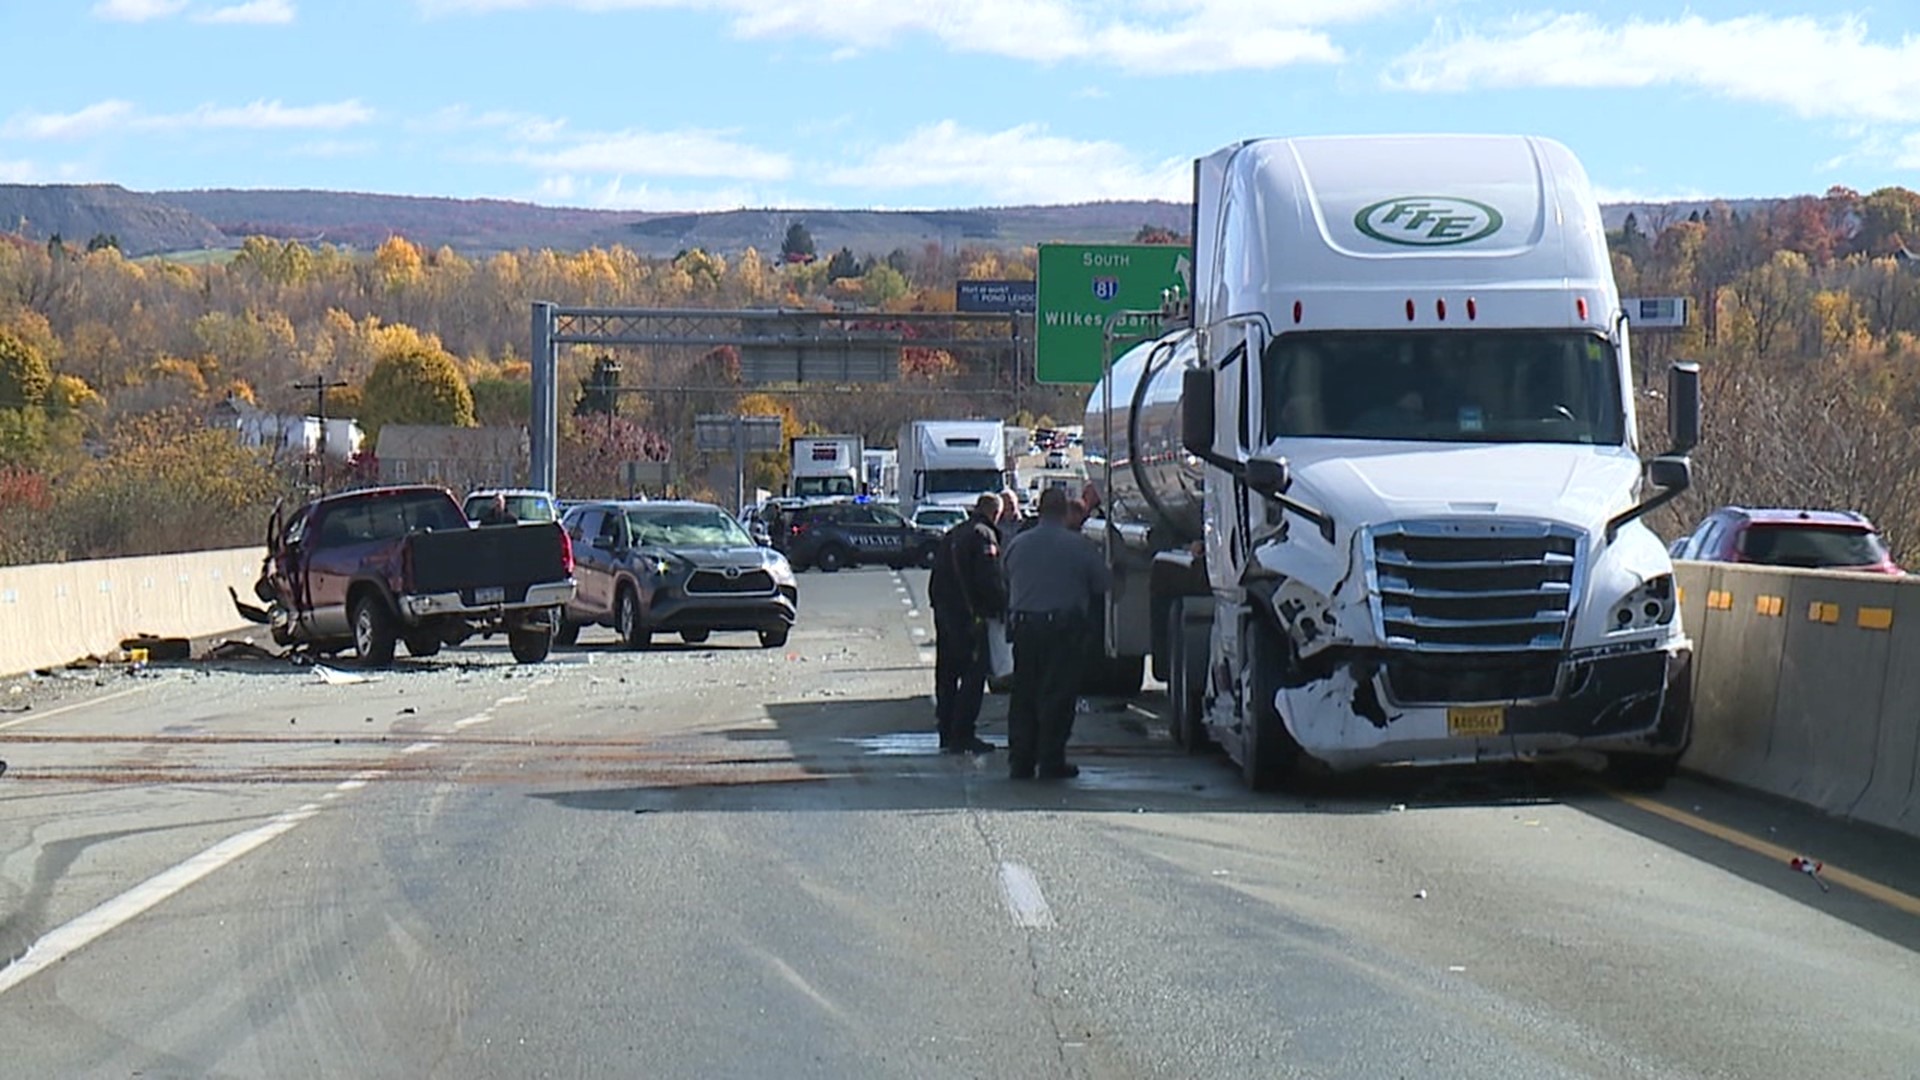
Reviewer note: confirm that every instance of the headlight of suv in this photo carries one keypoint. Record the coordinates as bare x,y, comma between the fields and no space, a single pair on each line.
781,570
1649,606
660,565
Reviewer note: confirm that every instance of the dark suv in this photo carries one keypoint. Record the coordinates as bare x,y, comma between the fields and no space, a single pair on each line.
1810,539
832,535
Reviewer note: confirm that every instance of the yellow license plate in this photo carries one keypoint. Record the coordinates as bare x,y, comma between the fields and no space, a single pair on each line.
1477,722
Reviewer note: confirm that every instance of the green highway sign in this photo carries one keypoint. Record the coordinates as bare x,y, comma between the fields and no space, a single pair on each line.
1081,285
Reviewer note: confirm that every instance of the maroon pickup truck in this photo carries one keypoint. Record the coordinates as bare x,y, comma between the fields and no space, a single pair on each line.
368,569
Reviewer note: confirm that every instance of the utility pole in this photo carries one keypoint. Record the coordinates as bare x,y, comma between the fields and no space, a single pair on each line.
320,386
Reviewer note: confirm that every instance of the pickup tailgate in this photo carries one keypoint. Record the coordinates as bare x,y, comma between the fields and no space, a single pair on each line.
507,557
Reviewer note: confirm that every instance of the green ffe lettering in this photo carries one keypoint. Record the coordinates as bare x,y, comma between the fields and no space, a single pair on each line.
1428,220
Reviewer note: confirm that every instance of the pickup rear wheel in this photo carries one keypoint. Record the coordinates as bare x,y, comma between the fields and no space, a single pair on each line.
374,635
530,644
627,621
423,644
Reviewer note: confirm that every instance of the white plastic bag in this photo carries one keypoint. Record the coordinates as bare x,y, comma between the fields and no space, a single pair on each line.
999,650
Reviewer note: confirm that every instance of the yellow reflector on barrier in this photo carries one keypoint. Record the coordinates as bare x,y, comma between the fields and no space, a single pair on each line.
1719,600
1876,618
1821,612
1769,606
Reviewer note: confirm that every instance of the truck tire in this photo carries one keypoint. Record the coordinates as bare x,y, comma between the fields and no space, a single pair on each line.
565,631
530,644
1268,753
374,635
422,644
1186,681
628,622
831,559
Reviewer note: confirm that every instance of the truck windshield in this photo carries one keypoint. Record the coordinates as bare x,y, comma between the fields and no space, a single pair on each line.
823,485
962,481
1448,386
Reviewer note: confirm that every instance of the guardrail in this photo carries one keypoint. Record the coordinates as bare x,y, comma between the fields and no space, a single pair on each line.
51,613
1807,685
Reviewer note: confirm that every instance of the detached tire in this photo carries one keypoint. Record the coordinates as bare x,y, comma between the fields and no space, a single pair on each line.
530,645
773,639
374,634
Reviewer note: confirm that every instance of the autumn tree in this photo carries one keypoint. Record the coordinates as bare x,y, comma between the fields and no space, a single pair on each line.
25,374
415,384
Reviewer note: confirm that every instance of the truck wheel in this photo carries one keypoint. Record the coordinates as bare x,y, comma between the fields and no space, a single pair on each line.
373,632
530,644
627,621
831,559
773,639
1268,752
1186,682
423,644
564,631
695,637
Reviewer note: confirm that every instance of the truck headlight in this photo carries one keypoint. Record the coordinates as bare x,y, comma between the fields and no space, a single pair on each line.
1649,606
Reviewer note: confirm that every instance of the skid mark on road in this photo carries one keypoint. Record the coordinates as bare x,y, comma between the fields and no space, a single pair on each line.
75,707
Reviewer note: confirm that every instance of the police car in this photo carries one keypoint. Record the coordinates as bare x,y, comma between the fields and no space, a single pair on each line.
833,535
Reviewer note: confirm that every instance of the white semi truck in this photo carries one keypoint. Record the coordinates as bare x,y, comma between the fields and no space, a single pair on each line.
951,462
827,466
1375,496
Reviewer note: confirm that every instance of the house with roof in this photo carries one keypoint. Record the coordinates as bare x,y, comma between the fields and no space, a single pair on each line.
460,458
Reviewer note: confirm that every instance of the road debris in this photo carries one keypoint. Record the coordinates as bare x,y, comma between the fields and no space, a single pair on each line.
239,649
157,647
336,677
1420,894
1811,868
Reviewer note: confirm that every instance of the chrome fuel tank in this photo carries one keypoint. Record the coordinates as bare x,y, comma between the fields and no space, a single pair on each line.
1155,484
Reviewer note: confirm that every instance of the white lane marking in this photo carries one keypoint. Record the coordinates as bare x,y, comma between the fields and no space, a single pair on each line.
926,658
330,796
476,718
907,600
64,941
919,631
89,703
359,780
1021,890
914,614
511,699
417,747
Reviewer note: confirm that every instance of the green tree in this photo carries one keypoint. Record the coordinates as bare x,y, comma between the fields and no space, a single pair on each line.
882,284
843,265
25,375
798,246
415,384
502,402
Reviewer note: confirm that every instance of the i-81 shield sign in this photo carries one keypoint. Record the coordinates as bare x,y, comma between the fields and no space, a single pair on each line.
1081,285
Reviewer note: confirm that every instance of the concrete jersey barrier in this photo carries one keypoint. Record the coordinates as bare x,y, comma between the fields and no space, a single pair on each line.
1807,685
51,613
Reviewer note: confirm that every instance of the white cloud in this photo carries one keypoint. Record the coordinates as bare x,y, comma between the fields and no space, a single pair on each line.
266,115
137,10
1023,164
686,153
253,12
617,194
1157,37
113,115
1817,68
18,172
91,120
333,148
517,125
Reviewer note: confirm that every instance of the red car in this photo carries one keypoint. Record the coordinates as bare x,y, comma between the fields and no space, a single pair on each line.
1810,539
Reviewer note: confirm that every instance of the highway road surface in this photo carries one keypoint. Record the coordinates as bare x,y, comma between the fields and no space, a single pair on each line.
725,861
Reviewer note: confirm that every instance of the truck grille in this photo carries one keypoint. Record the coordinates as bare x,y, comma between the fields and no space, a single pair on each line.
715,581
1474,587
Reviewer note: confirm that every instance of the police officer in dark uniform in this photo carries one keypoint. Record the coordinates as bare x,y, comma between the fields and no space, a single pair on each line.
1054,579
966,590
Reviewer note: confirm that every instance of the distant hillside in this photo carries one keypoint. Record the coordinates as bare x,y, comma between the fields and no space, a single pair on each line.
171,221
78,212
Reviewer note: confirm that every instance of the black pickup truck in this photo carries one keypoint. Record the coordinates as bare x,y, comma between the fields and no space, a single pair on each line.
368,569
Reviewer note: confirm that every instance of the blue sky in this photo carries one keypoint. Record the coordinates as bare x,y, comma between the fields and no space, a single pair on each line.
705,104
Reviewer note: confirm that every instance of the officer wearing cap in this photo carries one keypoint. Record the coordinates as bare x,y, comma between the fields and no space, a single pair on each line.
966,590
1054,579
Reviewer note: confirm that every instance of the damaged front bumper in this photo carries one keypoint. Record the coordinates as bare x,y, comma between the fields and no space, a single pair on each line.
1381,707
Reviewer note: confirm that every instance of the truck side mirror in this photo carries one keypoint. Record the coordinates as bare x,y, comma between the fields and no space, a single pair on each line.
1670,473
1196,412
1269,477
1683,406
